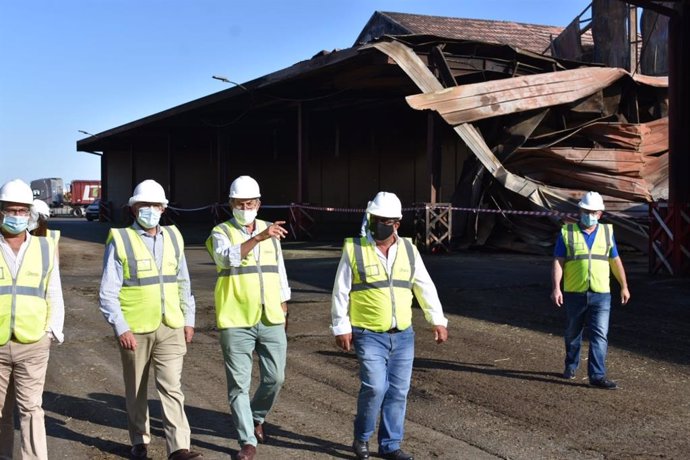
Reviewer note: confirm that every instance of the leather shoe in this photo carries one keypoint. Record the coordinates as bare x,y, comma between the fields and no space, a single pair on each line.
247,452
396,455
184,454
259,432
361,449
139,452
604,384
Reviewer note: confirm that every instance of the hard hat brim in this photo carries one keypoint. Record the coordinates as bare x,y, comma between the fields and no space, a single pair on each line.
589,208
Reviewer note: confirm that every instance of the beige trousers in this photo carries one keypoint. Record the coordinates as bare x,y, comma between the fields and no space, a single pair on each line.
163,350
26,364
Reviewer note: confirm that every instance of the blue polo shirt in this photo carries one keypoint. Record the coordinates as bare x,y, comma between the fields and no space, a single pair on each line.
560,251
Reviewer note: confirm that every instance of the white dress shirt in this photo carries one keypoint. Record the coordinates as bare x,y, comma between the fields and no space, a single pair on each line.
422,286
228,255
56,303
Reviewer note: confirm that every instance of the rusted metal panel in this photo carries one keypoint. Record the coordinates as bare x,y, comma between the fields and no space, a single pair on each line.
464,104
623,161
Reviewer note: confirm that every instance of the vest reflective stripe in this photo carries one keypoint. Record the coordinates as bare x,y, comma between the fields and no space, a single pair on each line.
22,290
53,235
376,298
149,295
587,269
150,281
24,311
244,293
382,284
232,271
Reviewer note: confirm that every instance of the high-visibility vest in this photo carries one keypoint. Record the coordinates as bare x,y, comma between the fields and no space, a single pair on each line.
24,310
243,293
376,298
149,295
54,235
587,269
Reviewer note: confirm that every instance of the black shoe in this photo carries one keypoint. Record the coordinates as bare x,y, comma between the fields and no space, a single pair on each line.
397,455
361,449
569,374
139,452
603,384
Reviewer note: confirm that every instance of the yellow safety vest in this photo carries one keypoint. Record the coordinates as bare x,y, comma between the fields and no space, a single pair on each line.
149,295
375,299
54,235
587,269
24,310
243,293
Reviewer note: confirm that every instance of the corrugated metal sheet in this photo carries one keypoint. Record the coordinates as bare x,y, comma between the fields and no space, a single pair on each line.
463,104
626,162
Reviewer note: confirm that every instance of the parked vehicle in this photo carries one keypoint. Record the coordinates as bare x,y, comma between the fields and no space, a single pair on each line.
50,190
63,203
93,210
82,194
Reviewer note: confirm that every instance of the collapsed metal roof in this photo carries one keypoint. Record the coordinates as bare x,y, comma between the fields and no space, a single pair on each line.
544,129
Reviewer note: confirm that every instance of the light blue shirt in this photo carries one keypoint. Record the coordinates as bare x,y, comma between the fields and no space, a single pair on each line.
111,281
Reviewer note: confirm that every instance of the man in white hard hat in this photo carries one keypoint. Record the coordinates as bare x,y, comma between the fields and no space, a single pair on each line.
146,297
31,315
584,255
251,298
371,310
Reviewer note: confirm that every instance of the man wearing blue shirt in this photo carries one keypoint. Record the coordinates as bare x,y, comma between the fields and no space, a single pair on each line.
584,256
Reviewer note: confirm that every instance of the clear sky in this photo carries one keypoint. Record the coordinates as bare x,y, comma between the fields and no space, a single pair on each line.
92,65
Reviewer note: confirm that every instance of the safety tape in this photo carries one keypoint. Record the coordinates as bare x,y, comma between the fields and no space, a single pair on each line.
418,208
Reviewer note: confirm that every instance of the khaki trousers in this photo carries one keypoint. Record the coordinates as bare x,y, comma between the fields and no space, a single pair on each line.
163,350
26,364
7,423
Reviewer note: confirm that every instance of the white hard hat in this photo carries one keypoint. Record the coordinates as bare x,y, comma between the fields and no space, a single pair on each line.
244,187
592,201
40,207
148,191
385,204
16,191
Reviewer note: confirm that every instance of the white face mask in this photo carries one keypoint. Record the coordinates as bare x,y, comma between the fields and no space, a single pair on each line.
148,217
244,217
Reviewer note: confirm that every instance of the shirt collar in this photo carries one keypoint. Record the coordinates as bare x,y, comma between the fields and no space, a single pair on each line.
142,231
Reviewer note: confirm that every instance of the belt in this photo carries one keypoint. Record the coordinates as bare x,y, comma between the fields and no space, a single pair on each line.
393,330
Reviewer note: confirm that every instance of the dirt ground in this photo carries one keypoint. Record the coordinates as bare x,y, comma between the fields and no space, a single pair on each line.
492,391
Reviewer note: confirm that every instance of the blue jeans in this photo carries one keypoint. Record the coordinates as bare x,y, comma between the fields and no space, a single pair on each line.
578,307
385,370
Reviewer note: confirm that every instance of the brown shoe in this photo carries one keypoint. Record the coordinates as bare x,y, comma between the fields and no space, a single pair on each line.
184,454
259,432
246,453
139,452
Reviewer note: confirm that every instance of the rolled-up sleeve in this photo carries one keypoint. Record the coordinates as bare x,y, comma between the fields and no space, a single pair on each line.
109,295
225,254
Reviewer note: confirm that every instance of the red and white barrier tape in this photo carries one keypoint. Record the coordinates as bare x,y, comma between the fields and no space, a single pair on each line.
419,208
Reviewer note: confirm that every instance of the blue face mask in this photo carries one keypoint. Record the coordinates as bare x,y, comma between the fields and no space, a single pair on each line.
15,224
588,220
148,217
